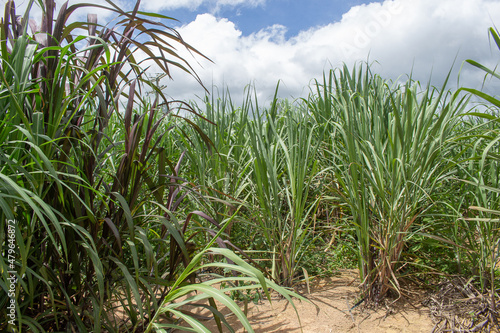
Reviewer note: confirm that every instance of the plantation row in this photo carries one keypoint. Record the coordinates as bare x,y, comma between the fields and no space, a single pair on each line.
119,204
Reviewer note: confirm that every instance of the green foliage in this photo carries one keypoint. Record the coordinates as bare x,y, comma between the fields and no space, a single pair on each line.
389,155
91,177
480,174
118,199
322,261
264,160
283,161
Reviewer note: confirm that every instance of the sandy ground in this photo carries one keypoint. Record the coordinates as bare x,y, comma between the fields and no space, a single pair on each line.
333,298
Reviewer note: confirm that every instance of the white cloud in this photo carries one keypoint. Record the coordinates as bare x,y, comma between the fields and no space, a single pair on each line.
215,5
402,36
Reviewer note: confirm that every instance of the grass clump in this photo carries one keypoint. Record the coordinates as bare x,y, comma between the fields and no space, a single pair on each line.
122,201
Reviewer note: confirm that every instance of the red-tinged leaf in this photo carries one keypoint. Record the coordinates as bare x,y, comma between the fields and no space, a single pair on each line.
33,26
92,20
201,214
48,19
177,203
41,38
9,19
134,137
205,138
178,166
219,241
114,230
130,107
60,22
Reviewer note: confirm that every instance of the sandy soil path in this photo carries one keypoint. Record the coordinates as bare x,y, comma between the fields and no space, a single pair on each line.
333,297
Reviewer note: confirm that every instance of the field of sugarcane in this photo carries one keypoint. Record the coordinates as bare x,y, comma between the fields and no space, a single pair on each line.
119,206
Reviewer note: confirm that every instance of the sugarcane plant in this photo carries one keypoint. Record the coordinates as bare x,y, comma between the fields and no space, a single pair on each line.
284,166
388,157
480,217
89,174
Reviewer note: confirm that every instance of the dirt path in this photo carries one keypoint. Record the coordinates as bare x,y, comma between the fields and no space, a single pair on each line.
333,297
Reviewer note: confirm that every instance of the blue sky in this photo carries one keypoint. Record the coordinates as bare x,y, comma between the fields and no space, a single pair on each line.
295,15
265,41
261,42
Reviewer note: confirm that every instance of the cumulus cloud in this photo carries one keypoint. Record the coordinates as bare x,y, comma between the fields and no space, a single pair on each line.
424,37
214,5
